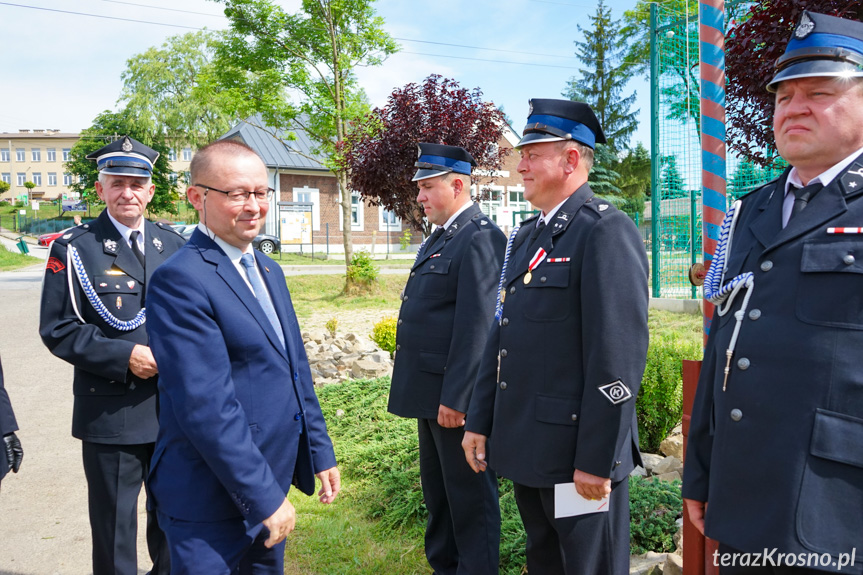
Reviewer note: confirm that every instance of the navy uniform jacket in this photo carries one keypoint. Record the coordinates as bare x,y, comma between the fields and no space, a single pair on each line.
447,308
578,326
239,419
778,456
111,404
7,420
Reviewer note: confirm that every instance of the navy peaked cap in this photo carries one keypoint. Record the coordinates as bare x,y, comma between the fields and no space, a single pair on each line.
438,159
821,45
559,120
125,157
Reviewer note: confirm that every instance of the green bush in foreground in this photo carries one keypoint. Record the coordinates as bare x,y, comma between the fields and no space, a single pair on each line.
379,455
659,405
384,334
362,272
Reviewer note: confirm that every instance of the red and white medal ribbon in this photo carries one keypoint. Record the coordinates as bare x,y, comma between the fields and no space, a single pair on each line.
537,259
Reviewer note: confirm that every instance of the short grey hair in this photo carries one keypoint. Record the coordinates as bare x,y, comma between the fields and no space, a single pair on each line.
585,153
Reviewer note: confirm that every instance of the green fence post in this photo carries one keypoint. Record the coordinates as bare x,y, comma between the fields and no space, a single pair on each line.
655,196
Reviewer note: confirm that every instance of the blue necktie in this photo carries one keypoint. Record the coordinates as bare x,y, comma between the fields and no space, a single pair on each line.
248,261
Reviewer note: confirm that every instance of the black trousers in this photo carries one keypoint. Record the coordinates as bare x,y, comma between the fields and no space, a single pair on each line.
463,530
761,568
115,474
592,544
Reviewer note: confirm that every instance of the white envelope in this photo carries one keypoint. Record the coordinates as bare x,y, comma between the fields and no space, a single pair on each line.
568,503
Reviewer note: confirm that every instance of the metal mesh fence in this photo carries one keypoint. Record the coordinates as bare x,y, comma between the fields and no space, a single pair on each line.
675,240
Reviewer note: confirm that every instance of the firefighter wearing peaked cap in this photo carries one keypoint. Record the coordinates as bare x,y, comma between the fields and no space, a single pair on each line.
554,401
92,316
447,308
774,462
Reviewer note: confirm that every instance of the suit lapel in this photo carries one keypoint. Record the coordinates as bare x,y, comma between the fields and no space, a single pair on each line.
154,249
459,223
225,269
768,222
114,245
273,281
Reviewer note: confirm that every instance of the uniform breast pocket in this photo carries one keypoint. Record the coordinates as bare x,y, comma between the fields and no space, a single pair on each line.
434,277
120,294
830,290
548,289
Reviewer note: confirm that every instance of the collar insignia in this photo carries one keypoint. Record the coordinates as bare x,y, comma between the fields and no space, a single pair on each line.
111,246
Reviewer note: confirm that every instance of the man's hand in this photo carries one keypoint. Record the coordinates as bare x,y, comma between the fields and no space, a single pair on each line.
142,363
14,452
280,524
448,417
474,450
591,486
331,484
696,511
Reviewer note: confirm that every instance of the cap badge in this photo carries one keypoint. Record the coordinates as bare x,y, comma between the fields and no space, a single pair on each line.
805,27
127,145
530,108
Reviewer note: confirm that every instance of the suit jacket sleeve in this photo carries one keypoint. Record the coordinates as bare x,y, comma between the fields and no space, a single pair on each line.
480,414
84,345
614,310
476,295
7,416
186,338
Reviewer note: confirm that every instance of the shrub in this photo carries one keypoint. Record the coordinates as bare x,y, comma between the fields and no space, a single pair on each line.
659,406
362,273
405,240
654,507
384,334
331,326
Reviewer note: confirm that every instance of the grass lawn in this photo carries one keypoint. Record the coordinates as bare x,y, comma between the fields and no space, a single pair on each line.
323,294
10,260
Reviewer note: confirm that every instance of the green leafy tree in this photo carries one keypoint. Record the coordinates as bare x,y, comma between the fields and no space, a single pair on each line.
603,178
634,180
311,55
671,181
107,127
29,185
163,93
4,187
603,79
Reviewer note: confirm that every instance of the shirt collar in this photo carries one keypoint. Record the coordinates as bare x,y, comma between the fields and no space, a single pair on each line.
455,215
824,178
547,217
126,231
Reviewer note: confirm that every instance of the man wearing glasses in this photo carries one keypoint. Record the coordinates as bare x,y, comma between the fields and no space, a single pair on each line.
92,316
239,419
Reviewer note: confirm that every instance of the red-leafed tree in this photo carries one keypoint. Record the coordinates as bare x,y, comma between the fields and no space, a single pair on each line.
751,51
380,151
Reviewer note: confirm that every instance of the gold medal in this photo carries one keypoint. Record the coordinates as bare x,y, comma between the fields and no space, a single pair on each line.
527,277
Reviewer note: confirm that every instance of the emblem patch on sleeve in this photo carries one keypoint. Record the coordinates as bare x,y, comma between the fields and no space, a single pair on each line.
55,265
616,392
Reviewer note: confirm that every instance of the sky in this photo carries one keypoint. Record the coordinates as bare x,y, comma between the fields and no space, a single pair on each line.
63,59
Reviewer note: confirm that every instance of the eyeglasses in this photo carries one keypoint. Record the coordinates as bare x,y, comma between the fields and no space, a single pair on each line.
241,196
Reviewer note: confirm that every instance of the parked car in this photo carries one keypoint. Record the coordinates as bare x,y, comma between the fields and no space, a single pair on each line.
263,242
47,239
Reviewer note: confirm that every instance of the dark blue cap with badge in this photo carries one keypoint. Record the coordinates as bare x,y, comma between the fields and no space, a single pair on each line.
560,120
821,45
125,157
438,160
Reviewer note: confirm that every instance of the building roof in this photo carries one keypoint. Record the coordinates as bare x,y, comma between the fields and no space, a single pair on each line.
31,134
278,151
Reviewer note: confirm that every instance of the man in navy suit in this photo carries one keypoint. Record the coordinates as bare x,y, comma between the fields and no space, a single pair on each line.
239,419
774,463
447,308
555,393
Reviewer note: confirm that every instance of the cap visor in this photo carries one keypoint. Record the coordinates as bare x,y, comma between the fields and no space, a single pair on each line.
814,69
537,138
126,171
425,173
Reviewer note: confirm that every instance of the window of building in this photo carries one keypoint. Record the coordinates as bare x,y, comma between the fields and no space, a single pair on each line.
172,155
4,155
52,178
66,154
187,178
174,177
388,220
37,154
310,196
187,154
67,179
491,205
21,178
50,155
356,211
6,177
20,155
37,178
